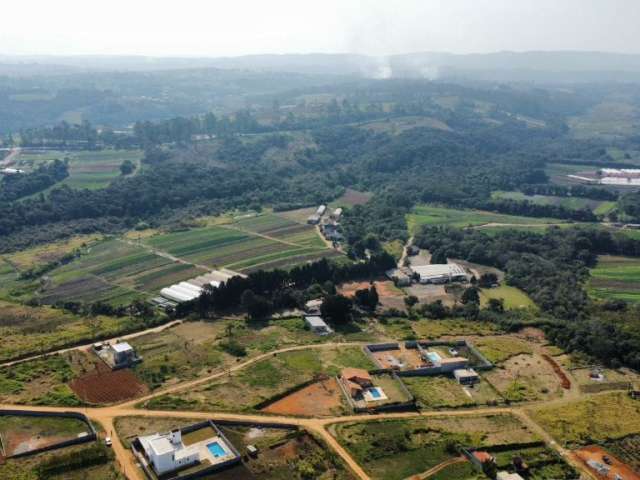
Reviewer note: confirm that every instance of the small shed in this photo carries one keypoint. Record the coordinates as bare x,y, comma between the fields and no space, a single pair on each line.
466,376
317,324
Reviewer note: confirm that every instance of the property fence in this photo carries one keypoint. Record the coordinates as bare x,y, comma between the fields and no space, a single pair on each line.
91,435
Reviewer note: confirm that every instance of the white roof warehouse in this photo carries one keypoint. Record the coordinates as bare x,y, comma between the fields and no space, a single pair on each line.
440,273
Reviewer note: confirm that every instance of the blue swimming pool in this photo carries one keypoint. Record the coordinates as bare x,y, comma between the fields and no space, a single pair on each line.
375,392
216,450
434,357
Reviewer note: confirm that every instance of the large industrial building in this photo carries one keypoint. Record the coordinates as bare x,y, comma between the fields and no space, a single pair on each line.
440,273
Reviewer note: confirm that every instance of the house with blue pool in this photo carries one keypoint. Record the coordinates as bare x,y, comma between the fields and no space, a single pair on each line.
201,449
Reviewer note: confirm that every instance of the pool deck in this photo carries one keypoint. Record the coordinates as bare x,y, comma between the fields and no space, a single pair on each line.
207,456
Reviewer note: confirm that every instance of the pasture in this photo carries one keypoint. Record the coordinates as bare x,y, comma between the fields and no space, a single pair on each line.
432,215
513,297
599,207
607,417
615,278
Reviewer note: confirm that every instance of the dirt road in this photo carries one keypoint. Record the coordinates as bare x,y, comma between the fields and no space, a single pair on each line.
9,159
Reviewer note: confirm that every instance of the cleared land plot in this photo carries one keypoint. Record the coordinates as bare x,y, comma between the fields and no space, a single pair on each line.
600,207
396,126
627,449
397,449
513,297
607,417
543,463
617,468
351,198
21,434
525,377
107,386
614,117
616,278
390,296
445,392
253,387
33,467
612,379
431,215
499,349
320,399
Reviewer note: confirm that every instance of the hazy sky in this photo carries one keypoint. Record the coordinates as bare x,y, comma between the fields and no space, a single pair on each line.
236,27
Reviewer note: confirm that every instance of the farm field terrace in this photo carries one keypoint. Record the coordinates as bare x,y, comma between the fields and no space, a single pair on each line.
615,278
87,168
432,215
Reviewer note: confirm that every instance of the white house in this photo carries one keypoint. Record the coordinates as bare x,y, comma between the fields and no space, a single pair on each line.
466,376
167,453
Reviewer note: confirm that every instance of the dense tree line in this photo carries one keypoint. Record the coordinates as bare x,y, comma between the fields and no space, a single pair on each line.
582,191
551,267
262,292
13,187
531,209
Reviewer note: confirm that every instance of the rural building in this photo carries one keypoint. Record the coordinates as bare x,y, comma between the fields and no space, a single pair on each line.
118,355
313,306
412,250
181,292
440,273
399,277
466,376
321,210
313,219
11,171
508,476
356,381
482,457
317,324
337,213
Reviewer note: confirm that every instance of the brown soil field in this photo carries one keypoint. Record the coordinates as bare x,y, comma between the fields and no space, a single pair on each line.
410,357
106,386
596,453
320,399
390,296
353,197
16,442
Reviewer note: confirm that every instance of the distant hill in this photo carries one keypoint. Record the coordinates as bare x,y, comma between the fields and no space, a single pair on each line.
562,66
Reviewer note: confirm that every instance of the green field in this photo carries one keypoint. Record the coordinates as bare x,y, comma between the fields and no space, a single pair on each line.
431,215
616,278
599,207
397,449
119,270
87,169
513,297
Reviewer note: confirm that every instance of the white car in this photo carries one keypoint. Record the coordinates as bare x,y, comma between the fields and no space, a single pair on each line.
107,441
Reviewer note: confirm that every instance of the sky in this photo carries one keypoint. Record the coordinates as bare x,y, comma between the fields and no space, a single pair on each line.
375,27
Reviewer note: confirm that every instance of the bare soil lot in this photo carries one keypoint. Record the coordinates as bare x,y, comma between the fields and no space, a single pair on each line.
597,454
107,386
323,398
23,434
390,295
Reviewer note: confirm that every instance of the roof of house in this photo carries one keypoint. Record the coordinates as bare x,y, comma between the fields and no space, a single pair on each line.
464,372
354,385
350,373
122,347
483,456
315,321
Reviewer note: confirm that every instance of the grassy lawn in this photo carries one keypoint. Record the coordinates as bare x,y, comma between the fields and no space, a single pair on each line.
616,278
397,449
572,203
49,252
432,329
513,297
599,419
437,392
431,215
243,390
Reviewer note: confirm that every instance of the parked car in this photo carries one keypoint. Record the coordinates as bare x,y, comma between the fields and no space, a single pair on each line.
108,442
